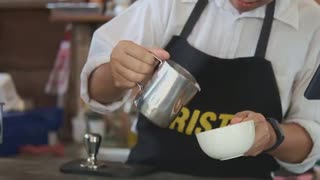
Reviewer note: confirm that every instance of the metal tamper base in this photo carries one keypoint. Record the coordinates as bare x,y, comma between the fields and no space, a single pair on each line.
92,144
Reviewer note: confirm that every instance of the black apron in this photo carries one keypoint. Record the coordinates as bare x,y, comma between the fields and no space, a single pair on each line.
228,86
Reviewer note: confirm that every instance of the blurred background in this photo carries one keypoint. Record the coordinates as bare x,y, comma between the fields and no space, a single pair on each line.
43,46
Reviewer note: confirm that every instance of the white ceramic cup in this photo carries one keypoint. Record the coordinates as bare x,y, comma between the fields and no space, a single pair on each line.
228,142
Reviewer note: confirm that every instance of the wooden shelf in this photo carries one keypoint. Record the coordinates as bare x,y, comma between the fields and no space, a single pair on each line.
80,18
25,4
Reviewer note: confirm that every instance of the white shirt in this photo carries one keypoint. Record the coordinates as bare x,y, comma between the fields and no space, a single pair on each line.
294,48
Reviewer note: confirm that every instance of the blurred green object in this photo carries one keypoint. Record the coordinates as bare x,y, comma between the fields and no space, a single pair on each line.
318,163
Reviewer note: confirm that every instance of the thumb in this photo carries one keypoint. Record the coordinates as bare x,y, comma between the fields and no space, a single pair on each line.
236,120
239,117
160,53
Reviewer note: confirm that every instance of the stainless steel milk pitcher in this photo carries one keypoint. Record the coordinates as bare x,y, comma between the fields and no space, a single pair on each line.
170,88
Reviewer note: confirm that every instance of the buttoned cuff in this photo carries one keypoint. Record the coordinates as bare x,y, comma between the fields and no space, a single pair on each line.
89,67
313,129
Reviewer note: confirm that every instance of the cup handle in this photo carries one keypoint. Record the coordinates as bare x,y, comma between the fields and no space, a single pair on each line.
140,86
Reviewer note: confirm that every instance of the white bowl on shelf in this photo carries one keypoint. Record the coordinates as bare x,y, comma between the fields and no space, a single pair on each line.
227,142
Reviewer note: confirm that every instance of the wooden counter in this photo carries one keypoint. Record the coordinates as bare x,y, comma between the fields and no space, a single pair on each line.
40,169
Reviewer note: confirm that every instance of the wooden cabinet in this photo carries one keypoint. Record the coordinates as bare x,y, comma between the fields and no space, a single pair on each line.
29,42
28,46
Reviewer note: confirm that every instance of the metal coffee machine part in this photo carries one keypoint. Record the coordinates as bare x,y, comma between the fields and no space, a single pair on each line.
92,144
1,122
170,88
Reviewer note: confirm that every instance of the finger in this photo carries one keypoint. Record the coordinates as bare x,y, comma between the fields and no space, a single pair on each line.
121,82
243,114
259,141
160,53
253,152
136,65
129,74
240,116
257,117
137,51
250,118
236,120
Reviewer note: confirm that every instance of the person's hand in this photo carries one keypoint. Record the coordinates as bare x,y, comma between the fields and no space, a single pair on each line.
264,137
131,64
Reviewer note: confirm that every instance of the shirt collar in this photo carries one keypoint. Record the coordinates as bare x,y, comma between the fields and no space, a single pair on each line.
286,11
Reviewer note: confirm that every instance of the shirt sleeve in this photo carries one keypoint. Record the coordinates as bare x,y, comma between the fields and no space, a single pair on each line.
305,112
143,23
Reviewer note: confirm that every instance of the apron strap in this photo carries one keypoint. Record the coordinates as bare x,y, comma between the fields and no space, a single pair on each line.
265,31
195,15
264,34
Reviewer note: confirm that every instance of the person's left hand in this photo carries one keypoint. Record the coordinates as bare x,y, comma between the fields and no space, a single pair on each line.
264,137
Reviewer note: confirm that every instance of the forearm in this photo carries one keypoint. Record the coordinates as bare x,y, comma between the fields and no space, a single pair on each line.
296,146
101,87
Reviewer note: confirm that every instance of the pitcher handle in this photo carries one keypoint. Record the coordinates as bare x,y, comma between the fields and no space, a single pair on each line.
157,58
140,86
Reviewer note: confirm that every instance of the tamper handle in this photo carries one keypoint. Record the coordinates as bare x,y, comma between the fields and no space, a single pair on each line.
92,143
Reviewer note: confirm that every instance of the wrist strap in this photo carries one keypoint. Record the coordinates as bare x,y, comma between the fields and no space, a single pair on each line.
279,135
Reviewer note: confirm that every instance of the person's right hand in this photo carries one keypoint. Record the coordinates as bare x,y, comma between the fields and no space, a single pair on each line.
131,63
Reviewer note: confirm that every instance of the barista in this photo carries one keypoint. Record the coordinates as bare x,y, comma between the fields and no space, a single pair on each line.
252,59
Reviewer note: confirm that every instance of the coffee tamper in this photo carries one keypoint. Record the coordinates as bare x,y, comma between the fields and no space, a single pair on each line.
92,144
